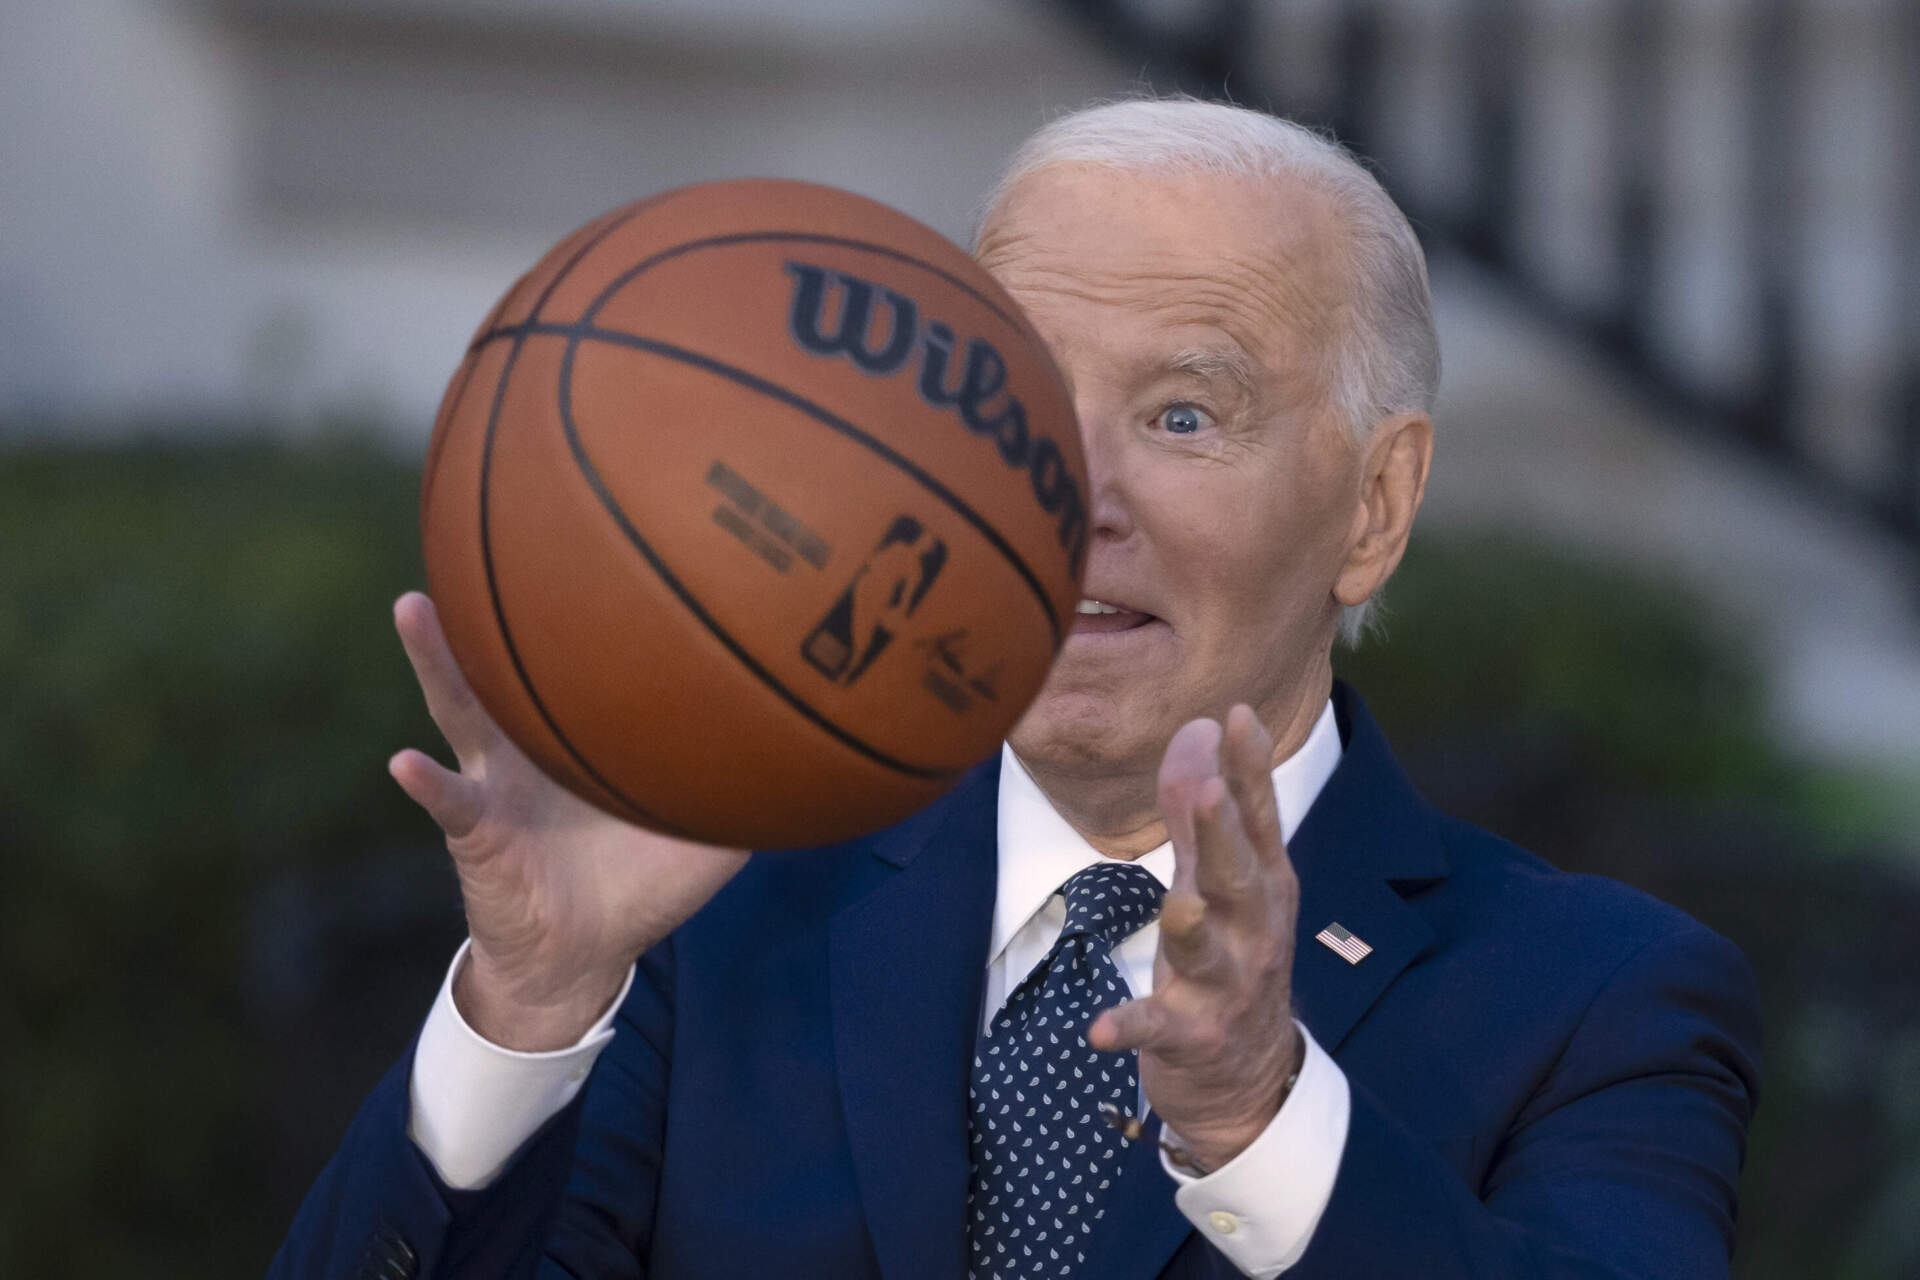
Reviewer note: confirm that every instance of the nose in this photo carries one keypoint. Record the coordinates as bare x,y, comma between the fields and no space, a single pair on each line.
1110,517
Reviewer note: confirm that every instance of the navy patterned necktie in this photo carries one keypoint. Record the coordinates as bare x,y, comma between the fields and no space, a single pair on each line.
1042,1155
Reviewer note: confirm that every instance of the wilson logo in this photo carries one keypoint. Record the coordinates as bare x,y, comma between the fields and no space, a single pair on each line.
882,332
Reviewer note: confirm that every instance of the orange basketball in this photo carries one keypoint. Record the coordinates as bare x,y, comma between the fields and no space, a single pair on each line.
755,513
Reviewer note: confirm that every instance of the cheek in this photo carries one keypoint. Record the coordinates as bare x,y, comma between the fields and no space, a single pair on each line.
1244,555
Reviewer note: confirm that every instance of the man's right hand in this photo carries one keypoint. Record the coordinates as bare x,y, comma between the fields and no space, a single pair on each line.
561,898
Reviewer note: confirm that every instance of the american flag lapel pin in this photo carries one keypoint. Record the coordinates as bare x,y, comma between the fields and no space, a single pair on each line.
1344,944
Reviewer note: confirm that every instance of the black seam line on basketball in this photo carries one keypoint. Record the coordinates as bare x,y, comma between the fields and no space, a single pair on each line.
593,241
698,610
750,237
577,333
500,616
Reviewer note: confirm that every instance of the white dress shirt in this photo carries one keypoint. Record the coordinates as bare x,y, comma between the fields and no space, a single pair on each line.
474,1103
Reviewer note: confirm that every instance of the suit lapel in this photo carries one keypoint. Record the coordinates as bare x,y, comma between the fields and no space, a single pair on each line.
1330,994
908,964
1368,837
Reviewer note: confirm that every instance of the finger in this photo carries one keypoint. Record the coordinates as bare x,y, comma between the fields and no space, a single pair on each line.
453,801
1189,943
1144,1024
1192,757
463,722
1226,870
1246,761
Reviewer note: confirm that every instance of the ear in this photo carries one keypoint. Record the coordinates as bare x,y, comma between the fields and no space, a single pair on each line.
1393,478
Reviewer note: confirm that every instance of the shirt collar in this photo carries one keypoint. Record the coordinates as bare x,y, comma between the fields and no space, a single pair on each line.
1039,851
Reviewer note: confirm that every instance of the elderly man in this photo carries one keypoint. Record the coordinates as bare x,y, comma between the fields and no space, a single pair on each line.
1362,1039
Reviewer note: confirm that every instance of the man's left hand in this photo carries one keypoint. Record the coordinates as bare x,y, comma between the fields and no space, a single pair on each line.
1216,1038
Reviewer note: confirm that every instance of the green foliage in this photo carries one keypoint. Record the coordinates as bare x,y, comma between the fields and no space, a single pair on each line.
198,686
1491,636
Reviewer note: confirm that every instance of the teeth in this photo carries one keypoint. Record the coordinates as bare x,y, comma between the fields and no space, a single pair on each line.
1094,606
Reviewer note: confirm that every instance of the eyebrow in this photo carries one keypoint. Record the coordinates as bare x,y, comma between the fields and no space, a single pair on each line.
1215,364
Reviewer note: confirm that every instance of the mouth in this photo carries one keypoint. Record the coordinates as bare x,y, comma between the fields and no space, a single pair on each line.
1098,617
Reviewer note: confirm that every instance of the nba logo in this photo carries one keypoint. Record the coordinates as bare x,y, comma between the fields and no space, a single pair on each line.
874,608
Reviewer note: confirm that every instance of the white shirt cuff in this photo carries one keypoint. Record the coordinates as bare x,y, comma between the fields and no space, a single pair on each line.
1261,1207
473,1103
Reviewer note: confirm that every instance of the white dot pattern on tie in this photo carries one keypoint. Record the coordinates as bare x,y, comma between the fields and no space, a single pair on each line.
1042,1156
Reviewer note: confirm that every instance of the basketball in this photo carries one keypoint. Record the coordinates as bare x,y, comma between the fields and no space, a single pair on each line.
755,513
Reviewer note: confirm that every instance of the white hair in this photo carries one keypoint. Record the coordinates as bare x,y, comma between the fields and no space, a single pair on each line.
1388,359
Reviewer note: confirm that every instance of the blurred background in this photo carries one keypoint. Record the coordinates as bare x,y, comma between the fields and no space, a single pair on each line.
1661,619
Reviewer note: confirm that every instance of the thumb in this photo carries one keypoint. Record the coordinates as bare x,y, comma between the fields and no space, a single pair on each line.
453,801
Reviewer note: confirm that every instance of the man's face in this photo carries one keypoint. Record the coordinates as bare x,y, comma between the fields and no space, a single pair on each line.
1191,315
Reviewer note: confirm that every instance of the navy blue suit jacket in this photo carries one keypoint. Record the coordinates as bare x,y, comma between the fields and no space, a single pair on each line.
1551,1075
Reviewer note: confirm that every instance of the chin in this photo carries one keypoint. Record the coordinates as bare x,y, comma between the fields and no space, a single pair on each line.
1083,733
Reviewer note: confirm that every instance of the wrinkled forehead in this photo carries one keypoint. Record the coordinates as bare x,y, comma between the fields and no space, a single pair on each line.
1262,259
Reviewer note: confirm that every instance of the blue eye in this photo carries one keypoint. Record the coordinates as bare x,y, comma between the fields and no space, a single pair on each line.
1183,419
